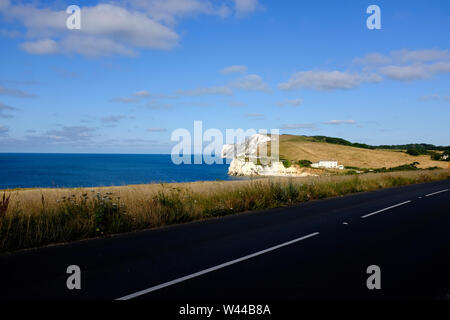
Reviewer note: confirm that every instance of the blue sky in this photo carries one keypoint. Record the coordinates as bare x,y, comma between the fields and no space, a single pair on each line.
137,70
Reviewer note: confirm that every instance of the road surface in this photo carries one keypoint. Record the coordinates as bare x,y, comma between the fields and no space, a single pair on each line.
315,250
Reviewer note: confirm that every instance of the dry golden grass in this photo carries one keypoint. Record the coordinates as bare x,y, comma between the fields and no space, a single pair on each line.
37,217
30,200
299,148
135,197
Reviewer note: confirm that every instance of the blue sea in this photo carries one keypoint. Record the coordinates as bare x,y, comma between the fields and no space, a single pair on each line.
29,170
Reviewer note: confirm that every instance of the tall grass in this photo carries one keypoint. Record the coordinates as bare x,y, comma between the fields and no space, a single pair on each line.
81,213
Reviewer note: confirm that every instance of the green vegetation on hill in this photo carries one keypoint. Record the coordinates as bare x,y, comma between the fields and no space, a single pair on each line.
341,142
404,167
413,149
304,163
420,147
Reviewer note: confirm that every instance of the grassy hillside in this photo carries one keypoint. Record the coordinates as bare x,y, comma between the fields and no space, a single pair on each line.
309,148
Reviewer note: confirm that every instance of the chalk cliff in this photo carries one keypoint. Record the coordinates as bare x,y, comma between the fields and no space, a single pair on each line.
244,162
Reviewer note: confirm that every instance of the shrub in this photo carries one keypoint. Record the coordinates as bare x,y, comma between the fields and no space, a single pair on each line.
286,163
304,163
412,152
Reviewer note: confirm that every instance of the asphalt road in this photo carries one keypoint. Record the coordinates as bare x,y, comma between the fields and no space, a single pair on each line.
315,250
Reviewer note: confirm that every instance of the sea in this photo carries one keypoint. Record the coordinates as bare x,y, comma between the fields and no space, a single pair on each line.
50,170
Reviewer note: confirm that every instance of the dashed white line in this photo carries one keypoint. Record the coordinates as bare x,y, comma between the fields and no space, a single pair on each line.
431,194
395,205
220,266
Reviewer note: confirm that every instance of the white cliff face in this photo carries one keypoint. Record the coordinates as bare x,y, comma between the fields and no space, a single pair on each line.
244,157
240,167
246,148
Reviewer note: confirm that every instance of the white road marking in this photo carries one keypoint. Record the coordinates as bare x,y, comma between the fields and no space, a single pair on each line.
395,205
344,222
220,266
430,194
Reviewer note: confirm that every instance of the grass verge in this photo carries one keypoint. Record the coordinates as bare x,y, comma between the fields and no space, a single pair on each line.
37,217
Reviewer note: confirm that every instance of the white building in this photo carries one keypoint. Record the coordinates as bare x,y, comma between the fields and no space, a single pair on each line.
328,164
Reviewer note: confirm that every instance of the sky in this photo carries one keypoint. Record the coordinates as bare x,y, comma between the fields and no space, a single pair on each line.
138,70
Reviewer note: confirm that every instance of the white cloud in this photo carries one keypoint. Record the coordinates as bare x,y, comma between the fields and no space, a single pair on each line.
324,80
4,4
105,29
339,122
234,69
244,7
146,94
238,104
372,59
113,119
200,104
156,129
406,73
258,116
406,55
3,131
220,90
434,97
409,65
142,93
4,107
292,103
16,93
129,26
9,33
251,82
169,11
46,46
124,100
403,56
69,134
440,67
120,28
415,71
93,46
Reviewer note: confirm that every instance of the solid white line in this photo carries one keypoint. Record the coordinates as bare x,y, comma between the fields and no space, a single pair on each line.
395,205
430,194
220,266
